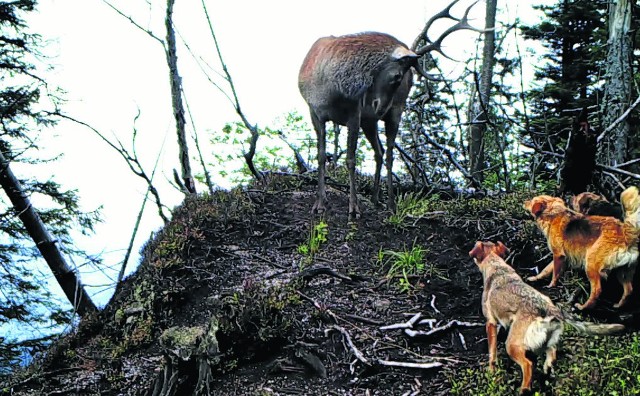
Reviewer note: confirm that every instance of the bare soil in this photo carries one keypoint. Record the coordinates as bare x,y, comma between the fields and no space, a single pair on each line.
291,323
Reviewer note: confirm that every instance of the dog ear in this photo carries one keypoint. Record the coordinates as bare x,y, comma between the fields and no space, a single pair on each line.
477,252
501,250
537,208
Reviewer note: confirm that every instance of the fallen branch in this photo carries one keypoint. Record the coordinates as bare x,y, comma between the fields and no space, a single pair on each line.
426,365
307,274
415,333
319,306
433,303
347,338
406,325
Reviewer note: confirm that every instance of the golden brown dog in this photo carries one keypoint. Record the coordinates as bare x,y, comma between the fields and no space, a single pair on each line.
597,243
535,324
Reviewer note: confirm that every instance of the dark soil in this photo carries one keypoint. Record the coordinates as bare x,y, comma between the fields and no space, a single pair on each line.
290,323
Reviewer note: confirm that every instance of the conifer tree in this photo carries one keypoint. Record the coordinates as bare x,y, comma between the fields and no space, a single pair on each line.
36,213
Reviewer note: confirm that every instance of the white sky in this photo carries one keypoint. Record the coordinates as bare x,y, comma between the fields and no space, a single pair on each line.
110,69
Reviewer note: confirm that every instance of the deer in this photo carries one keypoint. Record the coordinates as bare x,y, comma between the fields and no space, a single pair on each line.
356,80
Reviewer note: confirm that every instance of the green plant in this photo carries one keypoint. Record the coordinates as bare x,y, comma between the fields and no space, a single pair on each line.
411,205
586,366
403,265
318,236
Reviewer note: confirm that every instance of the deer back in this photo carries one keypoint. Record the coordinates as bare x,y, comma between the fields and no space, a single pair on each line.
367,67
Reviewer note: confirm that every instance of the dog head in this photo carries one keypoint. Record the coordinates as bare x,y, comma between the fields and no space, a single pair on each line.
582,202
483,249
544,204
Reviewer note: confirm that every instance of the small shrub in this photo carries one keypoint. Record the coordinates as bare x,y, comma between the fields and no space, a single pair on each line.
318,236
406,264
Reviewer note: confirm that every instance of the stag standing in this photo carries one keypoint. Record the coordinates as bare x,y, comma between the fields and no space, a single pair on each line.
357,80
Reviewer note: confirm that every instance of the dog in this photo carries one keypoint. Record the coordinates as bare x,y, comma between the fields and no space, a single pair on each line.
630,199
597,243
535,324
592,204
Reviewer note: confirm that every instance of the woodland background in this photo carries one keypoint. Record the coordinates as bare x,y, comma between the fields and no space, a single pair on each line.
489,129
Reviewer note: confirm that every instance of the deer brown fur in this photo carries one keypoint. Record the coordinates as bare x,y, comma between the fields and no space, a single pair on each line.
357,80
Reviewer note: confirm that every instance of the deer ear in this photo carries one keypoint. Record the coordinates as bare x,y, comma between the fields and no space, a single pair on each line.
401,53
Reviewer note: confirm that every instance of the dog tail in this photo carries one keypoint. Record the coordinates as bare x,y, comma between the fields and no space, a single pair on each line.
630,200
595,328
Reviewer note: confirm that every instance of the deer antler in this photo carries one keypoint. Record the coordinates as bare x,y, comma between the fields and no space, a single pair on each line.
462,24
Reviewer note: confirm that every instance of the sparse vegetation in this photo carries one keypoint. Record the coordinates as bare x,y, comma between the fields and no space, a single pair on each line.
586,366
405,267
317,237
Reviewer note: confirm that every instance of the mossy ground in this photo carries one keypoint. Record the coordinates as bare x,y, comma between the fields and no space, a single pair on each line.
236,257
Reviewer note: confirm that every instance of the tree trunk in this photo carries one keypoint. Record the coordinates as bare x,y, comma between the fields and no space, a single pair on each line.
478,109
176,98
65,276
617,90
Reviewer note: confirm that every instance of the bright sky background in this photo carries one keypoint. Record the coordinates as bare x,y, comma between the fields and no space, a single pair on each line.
111,69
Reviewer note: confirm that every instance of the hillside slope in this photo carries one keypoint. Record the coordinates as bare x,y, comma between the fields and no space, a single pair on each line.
232,298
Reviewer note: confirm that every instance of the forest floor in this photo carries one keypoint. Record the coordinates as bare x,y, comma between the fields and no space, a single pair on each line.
246,293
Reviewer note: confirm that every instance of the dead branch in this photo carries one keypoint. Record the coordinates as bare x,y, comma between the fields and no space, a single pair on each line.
347,338
600,166
131,159
203,164
426,365
622,117
134,23
416,333
253,129
301,165
309,273
474,182
406,325
433,303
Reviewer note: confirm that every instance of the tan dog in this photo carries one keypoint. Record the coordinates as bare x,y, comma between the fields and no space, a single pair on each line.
597,243
535,324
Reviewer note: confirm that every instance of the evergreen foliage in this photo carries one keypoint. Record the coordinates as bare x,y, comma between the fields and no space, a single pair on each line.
27,107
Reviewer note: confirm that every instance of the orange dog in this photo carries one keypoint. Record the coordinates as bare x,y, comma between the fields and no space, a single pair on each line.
597,243
535,324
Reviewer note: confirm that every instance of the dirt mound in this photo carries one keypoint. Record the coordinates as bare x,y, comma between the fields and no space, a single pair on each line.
245,293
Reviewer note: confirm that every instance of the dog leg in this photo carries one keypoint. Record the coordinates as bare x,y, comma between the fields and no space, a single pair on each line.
517,352
625,277
545,273
550,360
492,338
558,268
596,287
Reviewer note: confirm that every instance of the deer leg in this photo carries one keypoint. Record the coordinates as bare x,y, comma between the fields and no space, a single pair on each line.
321,134
391,130
370,129
352,142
